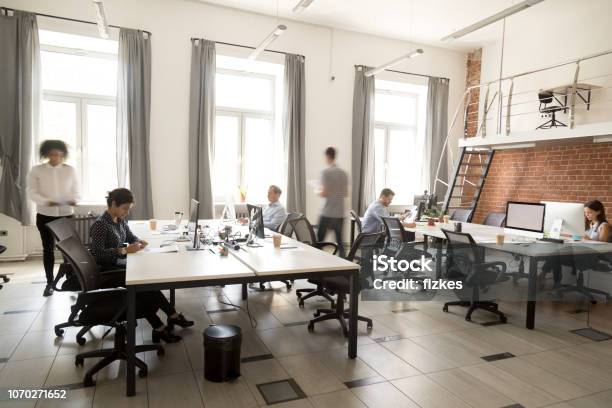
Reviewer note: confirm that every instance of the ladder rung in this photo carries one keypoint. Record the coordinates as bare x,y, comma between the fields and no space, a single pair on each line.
470,174
486,153
470,197
475,164
460,208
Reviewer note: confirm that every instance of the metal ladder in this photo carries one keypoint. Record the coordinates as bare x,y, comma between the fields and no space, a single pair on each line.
468,180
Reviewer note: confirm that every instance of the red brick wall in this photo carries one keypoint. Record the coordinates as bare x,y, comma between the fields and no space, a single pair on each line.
564,172
473,78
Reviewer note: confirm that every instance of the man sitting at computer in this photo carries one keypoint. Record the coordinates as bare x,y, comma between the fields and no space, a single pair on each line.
372,219
274,213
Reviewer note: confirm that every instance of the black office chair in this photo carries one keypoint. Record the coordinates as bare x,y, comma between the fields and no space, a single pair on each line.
360,253
355,221
394,229
466,263
304,232
285,228
546,97
495,219
102,307
597,262
461,215
5,278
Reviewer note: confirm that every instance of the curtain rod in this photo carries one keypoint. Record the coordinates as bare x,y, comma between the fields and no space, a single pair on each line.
409,73
246,46
6,9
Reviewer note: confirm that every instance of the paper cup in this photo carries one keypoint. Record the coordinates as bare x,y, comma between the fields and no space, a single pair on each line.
500,239
276,239
152,225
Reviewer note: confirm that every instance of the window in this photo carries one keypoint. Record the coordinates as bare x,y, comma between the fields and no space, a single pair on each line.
79,81
399,138
248,145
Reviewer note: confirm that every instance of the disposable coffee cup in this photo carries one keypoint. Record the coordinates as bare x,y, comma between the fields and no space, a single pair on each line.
500,239
446,218
276,239
152,224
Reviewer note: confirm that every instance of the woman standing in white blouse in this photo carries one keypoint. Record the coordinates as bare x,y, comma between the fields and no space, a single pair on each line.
54,187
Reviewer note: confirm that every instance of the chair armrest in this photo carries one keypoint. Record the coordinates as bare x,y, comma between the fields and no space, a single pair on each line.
321,245
95,295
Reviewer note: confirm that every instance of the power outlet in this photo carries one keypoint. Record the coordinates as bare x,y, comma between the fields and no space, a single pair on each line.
3,233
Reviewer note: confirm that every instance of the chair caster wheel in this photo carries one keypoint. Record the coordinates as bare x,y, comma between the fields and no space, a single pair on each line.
88,382
311,327
369,326
262,286
5,279
316,314
81,340
161,351
298,294
142,373
445,309
468,318
503,319
301,304
78,361
59,332
288,288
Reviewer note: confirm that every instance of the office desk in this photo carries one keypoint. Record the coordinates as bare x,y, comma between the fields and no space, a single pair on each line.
534,251
186,269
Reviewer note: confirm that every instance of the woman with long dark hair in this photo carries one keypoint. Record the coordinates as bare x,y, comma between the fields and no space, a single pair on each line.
595,223
54,187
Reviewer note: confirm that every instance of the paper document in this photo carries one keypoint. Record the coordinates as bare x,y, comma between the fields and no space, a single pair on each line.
315,185
161,250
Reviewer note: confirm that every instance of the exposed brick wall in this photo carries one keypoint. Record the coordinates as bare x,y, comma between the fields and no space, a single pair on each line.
564,172
473,78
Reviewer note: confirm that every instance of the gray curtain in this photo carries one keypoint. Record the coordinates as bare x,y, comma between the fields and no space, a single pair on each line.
202,124
435,135
19,109
363,141
133,114
294,132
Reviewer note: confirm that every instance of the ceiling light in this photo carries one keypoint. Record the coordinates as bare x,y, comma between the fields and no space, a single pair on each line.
389,64
301,6
490,20
101,19
273,36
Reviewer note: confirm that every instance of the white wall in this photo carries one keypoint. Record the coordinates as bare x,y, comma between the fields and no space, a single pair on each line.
550,33
328,104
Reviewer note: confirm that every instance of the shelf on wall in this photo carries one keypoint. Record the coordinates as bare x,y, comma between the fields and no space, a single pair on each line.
597,132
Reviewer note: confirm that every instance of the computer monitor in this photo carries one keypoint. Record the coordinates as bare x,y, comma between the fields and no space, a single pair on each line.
192,225
572,215
256,220
525,218
230,208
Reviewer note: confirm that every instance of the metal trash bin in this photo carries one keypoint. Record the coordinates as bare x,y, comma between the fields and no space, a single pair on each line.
222,352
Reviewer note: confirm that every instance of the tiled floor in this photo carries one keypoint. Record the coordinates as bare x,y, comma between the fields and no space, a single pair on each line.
416,355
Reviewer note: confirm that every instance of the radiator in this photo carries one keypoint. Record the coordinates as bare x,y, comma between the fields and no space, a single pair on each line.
82,223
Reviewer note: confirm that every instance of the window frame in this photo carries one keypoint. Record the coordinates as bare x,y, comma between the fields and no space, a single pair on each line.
82,101
387,127
243,114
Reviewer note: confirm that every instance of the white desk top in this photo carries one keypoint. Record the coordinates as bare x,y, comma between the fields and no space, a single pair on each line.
143,267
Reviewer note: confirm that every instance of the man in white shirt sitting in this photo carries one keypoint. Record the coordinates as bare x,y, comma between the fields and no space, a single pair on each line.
274,213
372,219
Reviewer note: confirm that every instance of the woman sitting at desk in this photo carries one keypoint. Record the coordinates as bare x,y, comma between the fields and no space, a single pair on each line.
597,229
108,235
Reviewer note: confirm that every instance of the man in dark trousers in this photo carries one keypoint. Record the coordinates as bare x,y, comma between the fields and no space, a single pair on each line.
334,188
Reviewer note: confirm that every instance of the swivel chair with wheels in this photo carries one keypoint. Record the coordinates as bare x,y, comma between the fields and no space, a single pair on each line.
360,253
5,278
103,307
394,229
546,97
355,222
62,229
465,263
304,232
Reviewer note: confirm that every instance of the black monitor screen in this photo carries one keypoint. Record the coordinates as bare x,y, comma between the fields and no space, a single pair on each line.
192,225
256,218
525,216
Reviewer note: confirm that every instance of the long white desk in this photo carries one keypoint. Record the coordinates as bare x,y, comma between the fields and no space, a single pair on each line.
535,251
185,269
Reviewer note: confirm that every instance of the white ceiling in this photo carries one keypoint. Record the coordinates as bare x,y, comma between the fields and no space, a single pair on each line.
421,21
